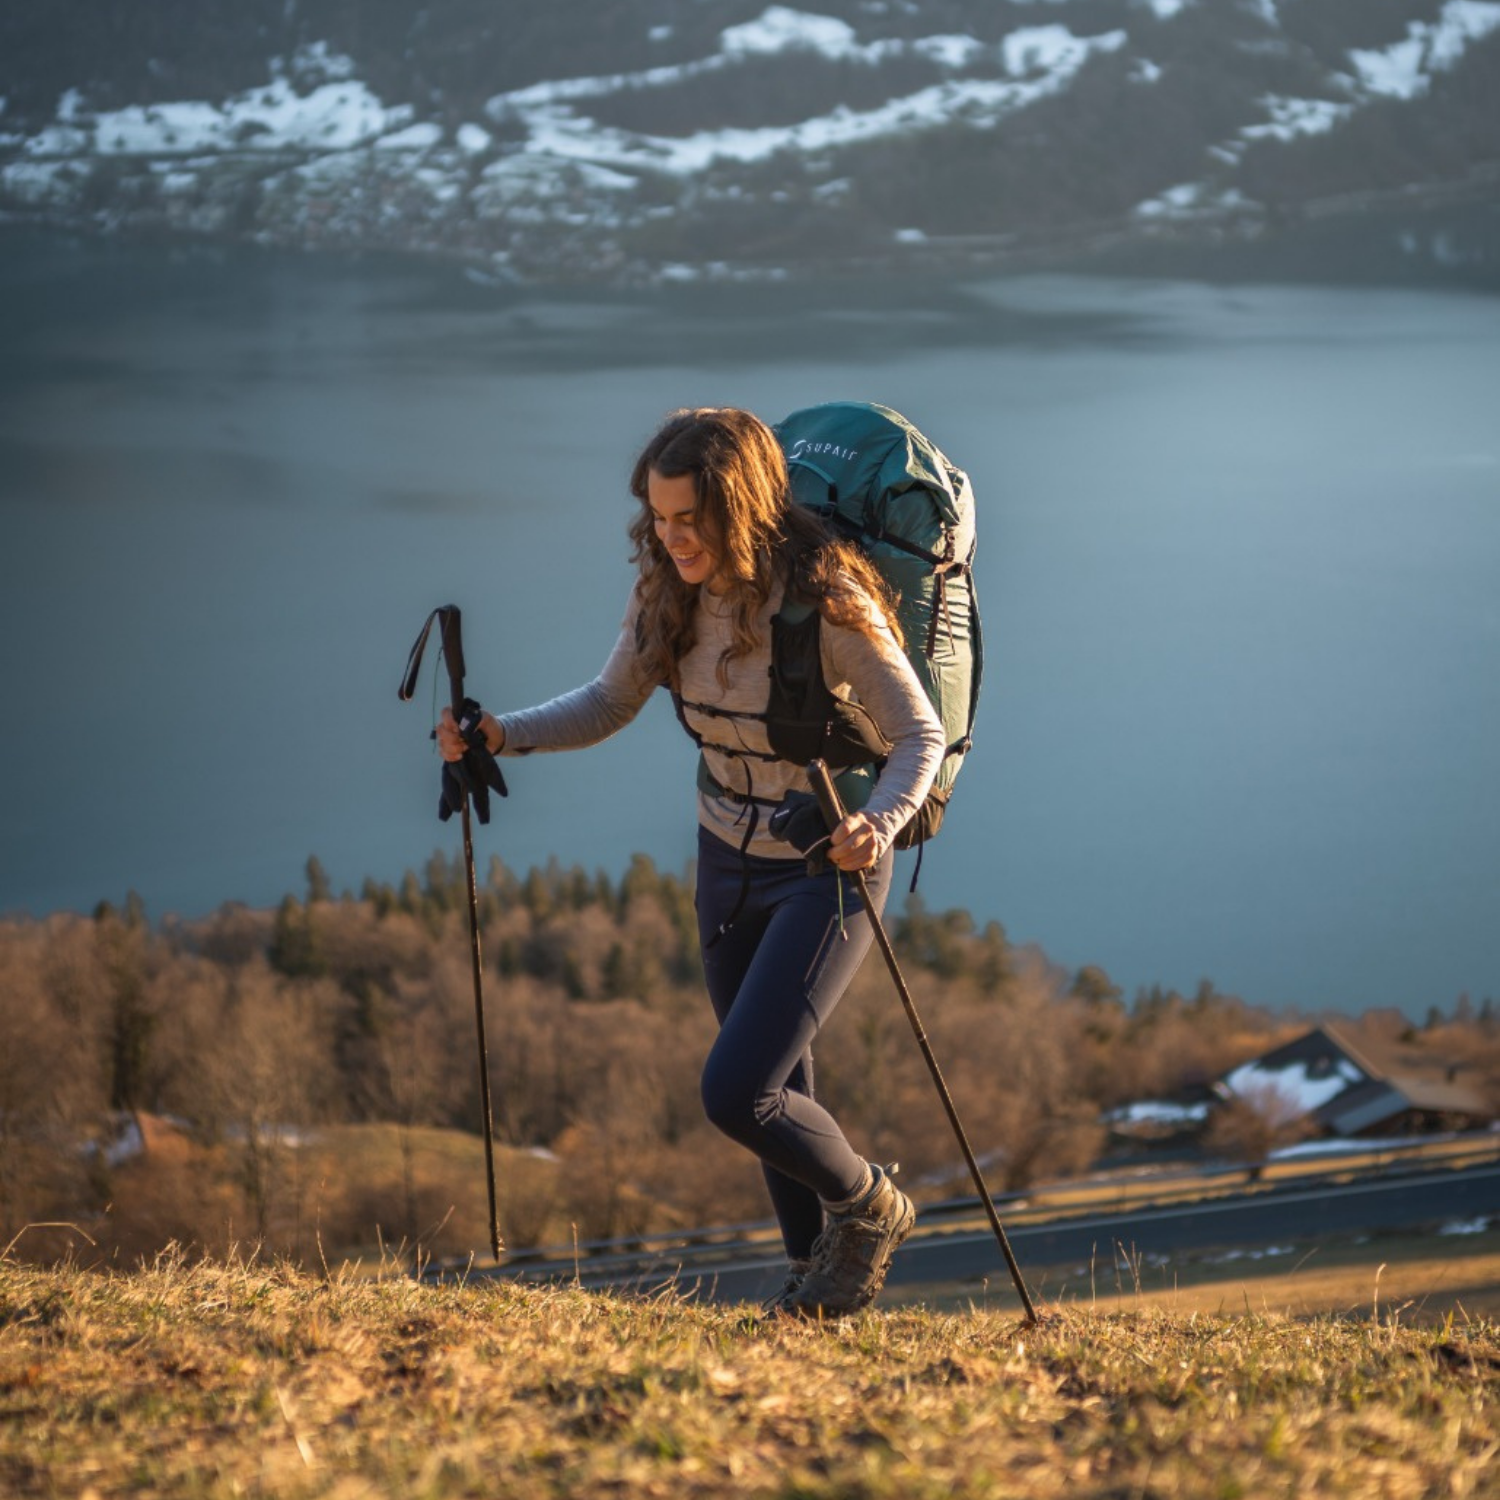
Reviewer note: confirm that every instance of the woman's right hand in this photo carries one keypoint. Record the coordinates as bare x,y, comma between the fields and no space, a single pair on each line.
853,845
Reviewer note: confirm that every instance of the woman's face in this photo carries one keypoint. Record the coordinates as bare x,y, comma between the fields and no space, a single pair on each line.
674,509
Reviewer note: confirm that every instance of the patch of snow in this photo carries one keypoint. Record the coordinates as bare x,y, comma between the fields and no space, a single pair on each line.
333,117
1038,49
555,130
335,65
781,29
1404,69
293,1136
58,140
1145,71
38,182
442,187
1395,73
419,137
1466,1226
1191,200
1328,1146
473,140
948,51
1293,1083
1266,10
510,171
1293,117
604,178
1158,1112
910,236
1164,10
561,90
313,63
333,169
149,130
1361,1145
1175,202
537,189
1269,1253
659,33
1461,22
126,1146
70,107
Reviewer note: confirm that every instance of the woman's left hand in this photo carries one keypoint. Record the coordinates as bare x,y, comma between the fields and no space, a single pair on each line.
852,845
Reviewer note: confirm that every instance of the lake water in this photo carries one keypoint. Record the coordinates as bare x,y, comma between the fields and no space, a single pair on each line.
1239,561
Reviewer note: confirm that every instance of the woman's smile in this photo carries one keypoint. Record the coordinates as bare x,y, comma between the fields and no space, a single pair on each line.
674,512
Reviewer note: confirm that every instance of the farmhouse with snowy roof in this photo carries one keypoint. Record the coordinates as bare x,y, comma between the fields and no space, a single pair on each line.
1320,1078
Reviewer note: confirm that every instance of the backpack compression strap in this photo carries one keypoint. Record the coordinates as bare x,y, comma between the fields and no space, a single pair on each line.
944,565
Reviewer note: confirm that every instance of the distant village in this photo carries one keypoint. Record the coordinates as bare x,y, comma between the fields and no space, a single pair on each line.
1312,1093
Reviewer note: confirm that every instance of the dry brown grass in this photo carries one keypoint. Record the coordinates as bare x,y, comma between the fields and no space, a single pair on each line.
213,1380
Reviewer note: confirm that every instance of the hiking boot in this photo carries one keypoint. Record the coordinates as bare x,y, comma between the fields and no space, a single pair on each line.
795,1271
853,1254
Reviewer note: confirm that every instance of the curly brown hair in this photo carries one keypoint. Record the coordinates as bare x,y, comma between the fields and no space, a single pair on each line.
746,516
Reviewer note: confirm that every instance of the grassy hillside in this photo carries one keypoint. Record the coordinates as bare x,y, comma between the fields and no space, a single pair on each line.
219,1380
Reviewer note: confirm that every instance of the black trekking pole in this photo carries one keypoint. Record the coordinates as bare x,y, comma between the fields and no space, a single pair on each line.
462,780
833,815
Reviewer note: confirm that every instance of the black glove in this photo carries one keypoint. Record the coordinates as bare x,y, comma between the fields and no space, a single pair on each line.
798,821
475,774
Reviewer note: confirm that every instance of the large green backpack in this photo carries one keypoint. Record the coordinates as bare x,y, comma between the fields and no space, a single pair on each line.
879,482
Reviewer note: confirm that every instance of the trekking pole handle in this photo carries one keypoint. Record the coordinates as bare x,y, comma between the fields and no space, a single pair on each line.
451,619
826,793
450,630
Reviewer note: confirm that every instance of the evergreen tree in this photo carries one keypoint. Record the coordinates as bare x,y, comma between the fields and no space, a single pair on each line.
1095,988
295,948
318,888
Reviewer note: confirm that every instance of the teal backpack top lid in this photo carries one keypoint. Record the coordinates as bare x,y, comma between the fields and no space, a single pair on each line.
883,485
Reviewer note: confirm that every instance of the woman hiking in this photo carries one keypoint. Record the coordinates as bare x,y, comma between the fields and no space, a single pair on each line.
720,549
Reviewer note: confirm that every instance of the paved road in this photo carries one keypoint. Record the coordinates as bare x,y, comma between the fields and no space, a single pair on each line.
1287,1217
1283,1216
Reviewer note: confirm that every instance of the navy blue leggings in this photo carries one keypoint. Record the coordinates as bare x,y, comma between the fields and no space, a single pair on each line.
774,978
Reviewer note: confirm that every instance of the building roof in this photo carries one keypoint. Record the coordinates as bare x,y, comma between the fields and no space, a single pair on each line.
1323,1077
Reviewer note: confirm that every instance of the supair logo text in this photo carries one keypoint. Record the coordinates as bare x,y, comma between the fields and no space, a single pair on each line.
804,449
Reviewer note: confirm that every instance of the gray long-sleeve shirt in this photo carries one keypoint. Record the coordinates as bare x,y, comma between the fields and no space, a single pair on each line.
871,668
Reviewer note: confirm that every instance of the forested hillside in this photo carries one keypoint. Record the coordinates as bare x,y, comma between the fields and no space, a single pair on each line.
291,1074
672,139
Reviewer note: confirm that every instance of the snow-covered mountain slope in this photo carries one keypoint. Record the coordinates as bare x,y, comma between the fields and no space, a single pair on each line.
715,137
